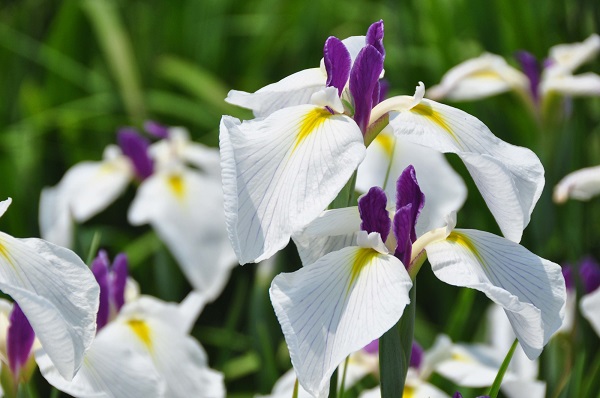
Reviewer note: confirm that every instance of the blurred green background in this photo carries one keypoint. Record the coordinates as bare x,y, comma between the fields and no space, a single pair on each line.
74,71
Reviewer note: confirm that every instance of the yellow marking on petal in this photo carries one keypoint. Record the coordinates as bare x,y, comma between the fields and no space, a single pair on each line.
486,74
461,357
424,109
362,258
142,331
310,123
387,142
177,185
4,253
409,392
466,242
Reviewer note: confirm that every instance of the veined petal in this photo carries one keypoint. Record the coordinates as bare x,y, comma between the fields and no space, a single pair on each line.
281,172
311,248
478,78
179,359
510,178
185,208
590,309
516,388
336,306
58,294
569,57
530,288
585,84
293,90
581,185
444,190
112,368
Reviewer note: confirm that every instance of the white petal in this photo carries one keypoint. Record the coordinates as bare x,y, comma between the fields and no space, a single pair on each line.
478,78
58,294
523,389
4,205
185,208
474,365
328,97
337,306
569,57
293,90
581,185
444,189
510,178
111,369
179,358
281,172
284,387
312,248
530,288
585,84
590,309
56,221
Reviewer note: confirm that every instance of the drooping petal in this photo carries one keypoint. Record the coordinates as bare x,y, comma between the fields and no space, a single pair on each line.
531,289
582,85
337,63
479,78
442,186
185,208
590,309
19,340
280,173
135,147
112,368
581,185
293,90
374,214
510,178
57,293
336,306
364,77
178,358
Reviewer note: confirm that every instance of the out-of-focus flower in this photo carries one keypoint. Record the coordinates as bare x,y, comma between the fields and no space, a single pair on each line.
56,296
490,74
334,289
144,350
590,303
282,169
180,195
580,185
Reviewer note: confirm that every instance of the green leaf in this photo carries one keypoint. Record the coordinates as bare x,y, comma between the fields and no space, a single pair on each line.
495,388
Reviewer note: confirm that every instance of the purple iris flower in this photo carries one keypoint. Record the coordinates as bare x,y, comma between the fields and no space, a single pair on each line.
589,271
409,202
364,73
416,355
135,147
156,129
19,340
372,347
112,281
567,271
531,68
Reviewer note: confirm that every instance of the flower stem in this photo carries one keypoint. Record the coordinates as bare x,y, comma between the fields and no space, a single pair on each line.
498,380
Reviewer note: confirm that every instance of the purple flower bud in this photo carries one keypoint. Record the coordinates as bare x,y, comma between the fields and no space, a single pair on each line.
416,355
19,340
156,129
135,147
364,84
112,285
375,36
457,395
589,270
409,202
119,280
531,68
372,347
373,213
567,271
337,63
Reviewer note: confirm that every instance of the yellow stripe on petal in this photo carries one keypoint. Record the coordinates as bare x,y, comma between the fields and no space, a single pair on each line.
426,110
362,258
486,74
409,392
310,123
142,331
387,142
176,185
463,240
4,253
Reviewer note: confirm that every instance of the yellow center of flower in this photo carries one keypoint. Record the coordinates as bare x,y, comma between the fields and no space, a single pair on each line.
362,258
141,330
310,123
465,241
177,185
426,110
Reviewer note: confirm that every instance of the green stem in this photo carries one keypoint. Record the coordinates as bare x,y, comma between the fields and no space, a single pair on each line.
395,347
343,384
344,198
495,389
295,393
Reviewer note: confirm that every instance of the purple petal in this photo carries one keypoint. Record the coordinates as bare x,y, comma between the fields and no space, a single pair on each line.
402,230
375,36
416,355
589,270
100,271
337,63
19,340
119,280
531,68
372,347
156,129
364,78
384,89
135,147
457,395
567,271
408,192
374,215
